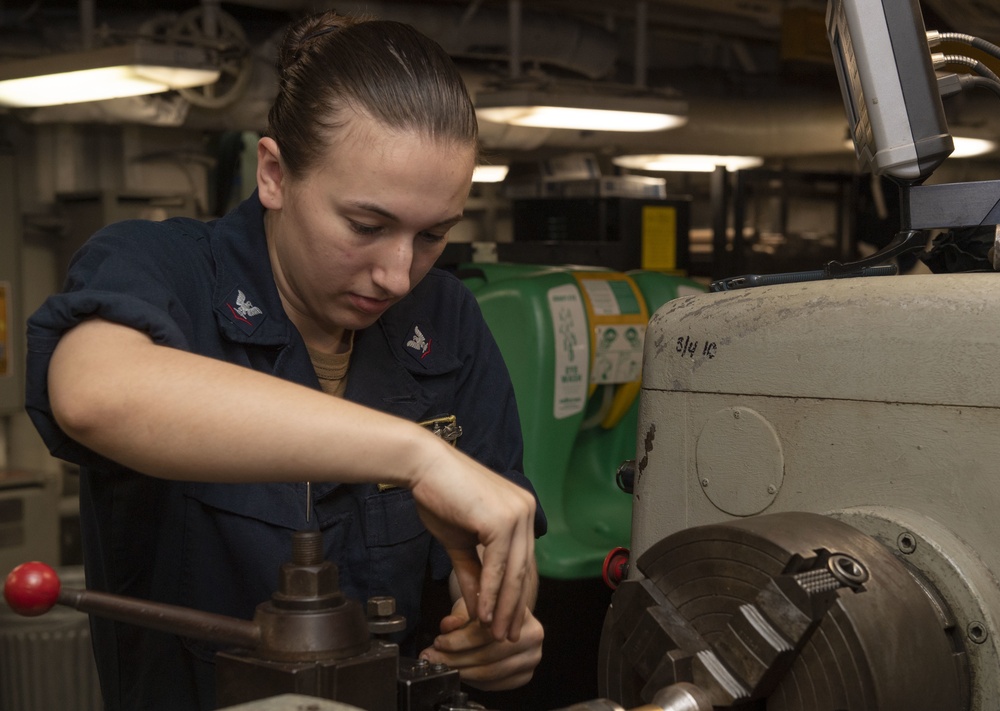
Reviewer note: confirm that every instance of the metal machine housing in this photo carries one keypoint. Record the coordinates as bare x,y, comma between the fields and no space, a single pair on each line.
873,401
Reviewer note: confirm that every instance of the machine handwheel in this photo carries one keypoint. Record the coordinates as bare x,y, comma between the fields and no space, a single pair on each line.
235,59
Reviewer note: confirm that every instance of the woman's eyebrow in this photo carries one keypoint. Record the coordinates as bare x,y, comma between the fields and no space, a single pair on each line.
379,210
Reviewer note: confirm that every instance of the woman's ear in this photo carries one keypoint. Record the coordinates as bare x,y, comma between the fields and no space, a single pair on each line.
269,173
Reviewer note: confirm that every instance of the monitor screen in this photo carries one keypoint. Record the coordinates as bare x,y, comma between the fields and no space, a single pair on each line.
889,87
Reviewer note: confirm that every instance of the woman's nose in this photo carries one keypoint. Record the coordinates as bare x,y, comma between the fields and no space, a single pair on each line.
392,272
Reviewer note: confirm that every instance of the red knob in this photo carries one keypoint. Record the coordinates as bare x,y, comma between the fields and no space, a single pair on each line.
615,567
31,589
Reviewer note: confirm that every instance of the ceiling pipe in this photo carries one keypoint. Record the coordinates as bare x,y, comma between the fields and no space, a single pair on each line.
514,23
470,12
475,32
210,13
641,43
87,24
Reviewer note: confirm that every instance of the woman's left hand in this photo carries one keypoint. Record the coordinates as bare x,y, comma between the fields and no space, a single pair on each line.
482,661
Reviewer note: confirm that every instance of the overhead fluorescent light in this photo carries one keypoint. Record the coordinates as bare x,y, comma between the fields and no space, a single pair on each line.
105,73
965,146
686,163
489,173
583,111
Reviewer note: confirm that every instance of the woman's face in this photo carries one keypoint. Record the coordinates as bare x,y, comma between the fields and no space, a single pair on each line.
357,232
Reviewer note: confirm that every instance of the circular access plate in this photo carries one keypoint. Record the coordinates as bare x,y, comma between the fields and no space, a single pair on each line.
740,462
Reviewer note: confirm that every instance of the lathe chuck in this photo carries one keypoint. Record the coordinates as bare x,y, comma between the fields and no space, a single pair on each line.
785,612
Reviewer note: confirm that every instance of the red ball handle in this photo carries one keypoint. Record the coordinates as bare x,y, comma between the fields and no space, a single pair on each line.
31,589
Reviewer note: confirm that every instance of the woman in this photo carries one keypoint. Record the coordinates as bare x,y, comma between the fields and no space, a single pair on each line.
183,367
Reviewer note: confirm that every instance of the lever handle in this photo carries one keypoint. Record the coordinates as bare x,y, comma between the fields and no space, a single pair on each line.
32,589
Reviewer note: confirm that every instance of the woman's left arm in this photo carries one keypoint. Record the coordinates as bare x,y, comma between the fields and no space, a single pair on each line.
482,661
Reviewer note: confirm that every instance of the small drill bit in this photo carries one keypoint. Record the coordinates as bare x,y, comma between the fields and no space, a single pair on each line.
309,502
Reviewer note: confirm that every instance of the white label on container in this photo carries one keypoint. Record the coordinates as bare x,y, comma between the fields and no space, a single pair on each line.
572,356
602,297
618,356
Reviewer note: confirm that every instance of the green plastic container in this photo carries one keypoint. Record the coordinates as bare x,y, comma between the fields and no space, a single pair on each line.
548,322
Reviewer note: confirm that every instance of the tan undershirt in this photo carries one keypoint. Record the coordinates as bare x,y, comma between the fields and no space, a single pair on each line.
331,369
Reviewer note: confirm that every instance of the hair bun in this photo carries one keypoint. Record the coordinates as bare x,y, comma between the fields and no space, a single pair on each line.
302,36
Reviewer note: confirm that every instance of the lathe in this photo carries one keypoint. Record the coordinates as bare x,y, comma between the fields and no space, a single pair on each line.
848,423
814,521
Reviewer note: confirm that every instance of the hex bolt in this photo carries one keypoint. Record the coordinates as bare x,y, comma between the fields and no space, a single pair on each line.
381,606
906,542
704,482
382,617
977,632
772,489
736,414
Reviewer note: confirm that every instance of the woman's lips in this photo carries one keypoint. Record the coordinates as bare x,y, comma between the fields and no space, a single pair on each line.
368,305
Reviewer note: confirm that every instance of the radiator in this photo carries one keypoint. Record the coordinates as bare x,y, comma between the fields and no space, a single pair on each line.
46,662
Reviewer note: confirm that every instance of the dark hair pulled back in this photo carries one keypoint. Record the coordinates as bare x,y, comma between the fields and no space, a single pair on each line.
329,64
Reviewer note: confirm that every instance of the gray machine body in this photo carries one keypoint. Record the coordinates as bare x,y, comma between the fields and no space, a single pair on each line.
875,401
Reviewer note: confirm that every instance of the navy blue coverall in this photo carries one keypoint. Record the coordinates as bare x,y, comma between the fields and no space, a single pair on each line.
208,288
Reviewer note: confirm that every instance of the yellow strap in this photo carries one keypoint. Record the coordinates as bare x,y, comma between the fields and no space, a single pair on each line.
625,393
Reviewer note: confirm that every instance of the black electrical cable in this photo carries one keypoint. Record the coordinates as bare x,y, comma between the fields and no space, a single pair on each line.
970,82
976,66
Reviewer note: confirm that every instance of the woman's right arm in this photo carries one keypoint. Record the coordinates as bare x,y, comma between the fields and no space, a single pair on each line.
176,415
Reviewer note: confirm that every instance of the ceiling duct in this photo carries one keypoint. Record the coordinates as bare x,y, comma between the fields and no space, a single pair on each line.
801,122
475,34
546,38
547,102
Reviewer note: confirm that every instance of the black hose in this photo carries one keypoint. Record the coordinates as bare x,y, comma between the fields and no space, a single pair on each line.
976,66
969,82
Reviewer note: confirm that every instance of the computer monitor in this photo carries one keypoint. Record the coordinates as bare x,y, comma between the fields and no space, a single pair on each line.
889,87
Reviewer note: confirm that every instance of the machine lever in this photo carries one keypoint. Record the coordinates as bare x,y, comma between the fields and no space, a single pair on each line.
174,619
33,588
904,241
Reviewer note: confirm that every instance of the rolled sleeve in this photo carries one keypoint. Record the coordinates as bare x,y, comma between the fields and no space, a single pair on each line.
116,276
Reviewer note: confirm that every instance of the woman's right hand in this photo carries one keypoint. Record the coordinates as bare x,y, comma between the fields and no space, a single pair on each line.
465,505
